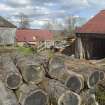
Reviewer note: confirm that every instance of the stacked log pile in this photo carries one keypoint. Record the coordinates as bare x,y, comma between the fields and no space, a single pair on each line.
60,80
79,76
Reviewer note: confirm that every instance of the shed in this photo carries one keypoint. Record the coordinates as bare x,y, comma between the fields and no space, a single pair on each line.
90,38
7,32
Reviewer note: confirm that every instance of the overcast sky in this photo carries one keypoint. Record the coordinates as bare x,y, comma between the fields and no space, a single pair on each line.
50,9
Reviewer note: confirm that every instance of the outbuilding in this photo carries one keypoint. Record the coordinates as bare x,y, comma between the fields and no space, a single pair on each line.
7,32
90,38
34,37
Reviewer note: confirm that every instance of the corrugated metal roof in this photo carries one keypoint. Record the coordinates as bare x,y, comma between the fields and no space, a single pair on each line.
94,25
31,35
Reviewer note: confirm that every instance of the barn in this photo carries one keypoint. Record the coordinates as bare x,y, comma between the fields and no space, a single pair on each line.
90,38
7,32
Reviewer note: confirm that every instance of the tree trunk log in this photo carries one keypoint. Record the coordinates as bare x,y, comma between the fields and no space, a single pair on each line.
7,96
57,70
91,74
31,95
102,84
10,73
59,94
31,69
75,82
100,65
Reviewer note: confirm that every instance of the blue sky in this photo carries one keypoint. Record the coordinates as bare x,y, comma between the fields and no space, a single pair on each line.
39,10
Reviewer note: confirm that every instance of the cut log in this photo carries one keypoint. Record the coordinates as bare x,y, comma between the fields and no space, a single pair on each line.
75,82
31,69
59,93
102,84
10,73
56,62
31,95
100,65
57,70
7,96
16,55
91,74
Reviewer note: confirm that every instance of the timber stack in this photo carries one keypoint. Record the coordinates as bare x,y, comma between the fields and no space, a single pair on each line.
60,80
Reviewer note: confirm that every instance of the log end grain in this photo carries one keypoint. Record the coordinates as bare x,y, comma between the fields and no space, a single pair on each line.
75,83
38,97
7,96
56,62
13,81
93,79
33,74
69,98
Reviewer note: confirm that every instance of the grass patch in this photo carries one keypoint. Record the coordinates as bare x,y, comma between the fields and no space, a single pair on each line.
100,95
25,50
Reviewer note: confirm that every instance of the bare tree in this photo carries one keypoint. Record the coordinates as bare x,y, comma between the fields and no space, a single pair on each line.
24,21
47,25
56,28
71,21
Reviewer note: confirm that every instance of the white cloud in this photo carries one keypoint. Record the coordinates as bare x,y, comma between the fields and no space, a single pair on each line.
49,9
38,24
96,2
4,7
19,2
75,3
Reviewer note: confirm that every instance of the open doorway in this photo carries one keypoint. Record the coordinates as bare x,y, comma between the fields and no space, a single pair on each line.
98,50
